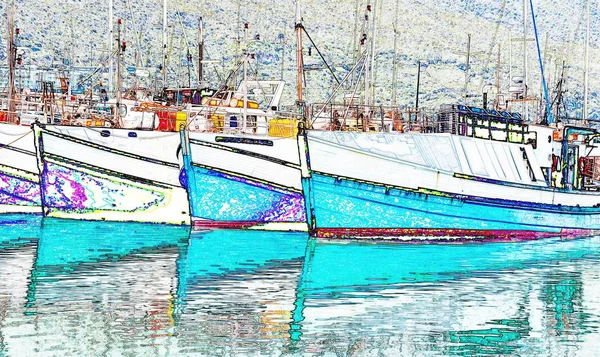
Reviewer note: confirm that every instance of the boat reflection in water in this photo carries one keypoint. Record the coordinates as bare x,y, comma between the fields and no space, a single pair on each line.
99,286
472,298
19,236
91,288
237,291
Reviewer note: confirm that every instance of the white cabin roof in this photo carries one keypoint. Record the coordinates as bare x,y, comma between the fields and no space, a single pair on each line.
453,154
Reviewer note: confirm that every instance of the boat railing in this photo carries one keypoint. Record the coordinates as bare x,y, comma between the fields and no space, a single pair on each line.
12,110
224,120
357,117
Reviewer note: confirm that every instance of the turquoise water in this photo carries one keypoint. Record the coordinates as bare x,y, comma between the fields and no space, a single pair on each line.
114,289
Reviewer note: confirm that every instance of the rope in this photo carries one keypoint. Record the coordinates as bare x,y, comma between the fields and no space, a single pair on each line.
4,146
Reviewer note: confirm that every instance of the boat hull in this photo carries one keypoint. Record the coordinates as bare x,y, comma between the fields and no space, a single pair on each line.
354,193
19,176
243,182
111,174
345,208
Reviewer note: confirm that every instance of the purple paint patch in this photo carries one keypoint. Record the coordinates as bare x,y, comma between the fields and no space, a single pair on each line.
61,188
18,191
289,208
73,190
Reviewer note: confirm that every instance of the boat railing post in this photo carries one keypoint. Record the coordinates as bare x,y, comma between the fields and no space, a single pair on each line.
188,116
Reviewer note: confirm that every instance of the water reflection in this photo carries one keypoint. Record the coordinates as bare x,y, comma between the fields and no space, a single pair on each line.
98,288
237,291
18,243
453,299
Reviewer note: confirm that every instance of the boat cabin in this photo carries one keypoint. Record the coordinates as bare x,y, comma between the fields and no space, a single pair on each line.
485,124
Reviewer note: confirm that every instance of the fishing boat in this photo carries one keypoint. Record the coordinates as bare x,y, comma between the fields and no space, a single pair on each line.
19,179
480,174
110,174
486,175
240,161
92,170
241,168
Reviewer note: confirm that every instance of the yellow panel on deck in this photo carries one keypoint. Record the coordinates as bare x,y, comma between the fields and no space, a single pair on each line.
180,120
283,128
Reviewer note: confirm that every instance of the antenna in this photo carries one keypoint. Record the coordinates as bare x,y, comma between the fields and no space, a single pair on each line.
525,81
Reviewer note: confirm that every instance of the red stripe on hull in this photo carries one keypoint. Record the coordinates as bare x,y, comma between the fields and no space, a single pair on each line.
445,235
225,224
206,224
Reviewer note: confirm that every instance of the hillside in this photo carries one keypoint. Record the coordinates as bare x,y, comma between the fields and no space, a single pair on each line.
434,32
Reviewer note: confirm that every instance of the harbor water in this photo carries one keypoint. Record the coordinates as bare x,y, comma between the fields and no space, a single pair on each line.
74,288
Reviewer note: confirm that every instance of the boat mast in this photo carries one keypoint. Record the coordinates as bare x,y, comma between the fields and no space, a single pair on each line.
299,58
525,102
164,27
245,86
498,81
71,61
373,72
545,87
355,46
587,63
110,47
394,59
467,67
12,107
120,48
418,84
509,59
367,60
238,40
200,52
